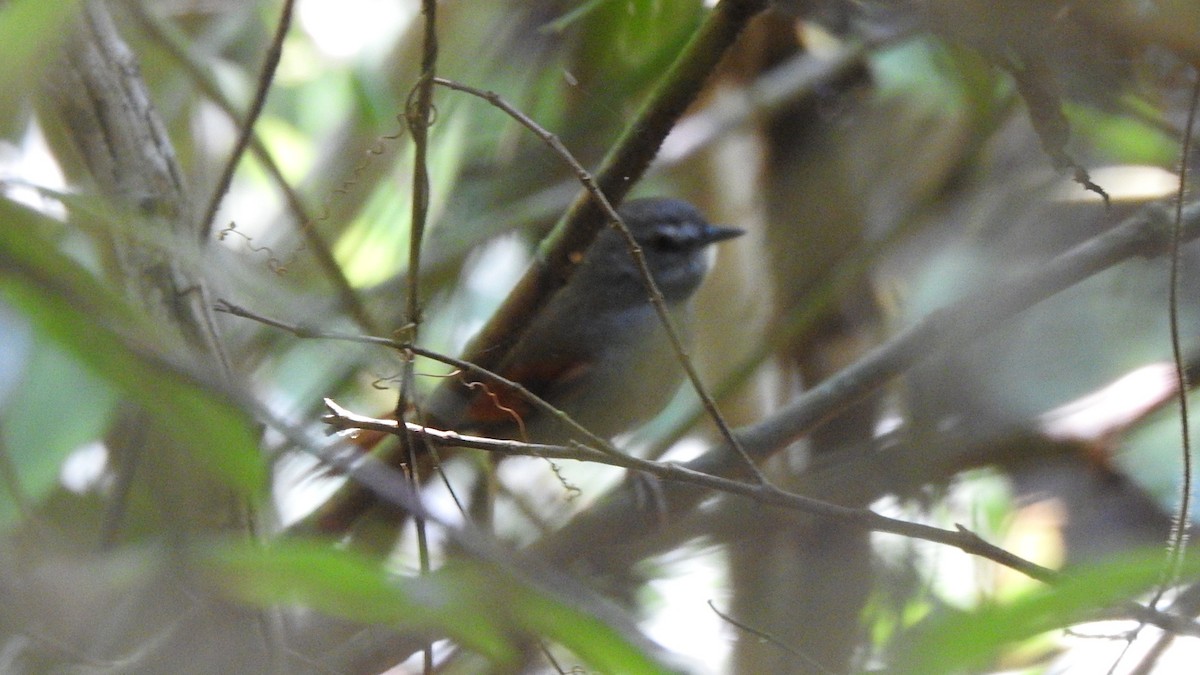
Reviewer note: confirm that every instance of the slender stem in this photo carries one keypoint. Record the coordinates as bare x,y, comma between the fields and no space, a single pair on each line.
418,115
266,76
1182,521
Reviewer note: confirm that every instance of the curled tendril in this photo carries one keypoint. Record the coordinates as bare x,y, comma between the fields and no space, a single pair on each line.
277,266
573,491
516,416
412,116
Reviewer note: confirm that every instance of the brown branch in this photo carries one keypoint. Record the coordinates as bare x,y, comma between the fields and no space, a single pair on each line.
341,418
338,417
418,115
538,402
1143,234
106,108
97,91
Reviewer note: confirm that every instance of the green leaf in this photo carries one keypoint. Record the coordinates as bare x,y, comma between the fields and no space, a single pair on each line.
29,29
347,585
966,640
36,433
1124,137
31,32
572,16
591,639
484,608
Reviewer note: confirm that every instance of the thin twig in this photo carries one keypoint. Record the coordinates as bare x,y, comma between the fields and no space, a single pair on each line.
341,418
538,402
338,417
302,331
266,76
1181,519
1181,522
767,637
418,115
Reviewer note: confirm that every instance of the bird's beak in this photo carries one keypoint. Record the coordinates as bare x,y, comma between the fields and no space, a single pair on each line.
714,233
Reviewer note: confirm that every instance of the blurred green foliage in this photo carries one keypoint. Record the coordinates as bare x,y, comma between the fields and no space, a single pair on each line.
933,146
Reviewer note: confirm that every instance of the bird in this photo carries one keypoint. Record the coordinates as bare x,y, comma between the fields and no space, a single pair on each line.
598,350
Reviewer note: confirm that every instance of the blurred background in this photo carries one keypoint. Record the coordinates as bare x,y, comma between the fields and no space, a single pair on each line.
887,159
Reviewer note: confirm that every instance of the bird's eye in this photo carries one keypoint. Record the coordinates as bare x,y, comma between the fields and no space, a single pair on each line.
665,241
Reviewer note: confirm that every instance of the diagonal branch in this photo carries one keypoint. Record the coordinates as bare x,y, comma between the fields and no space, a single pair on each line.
620,170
